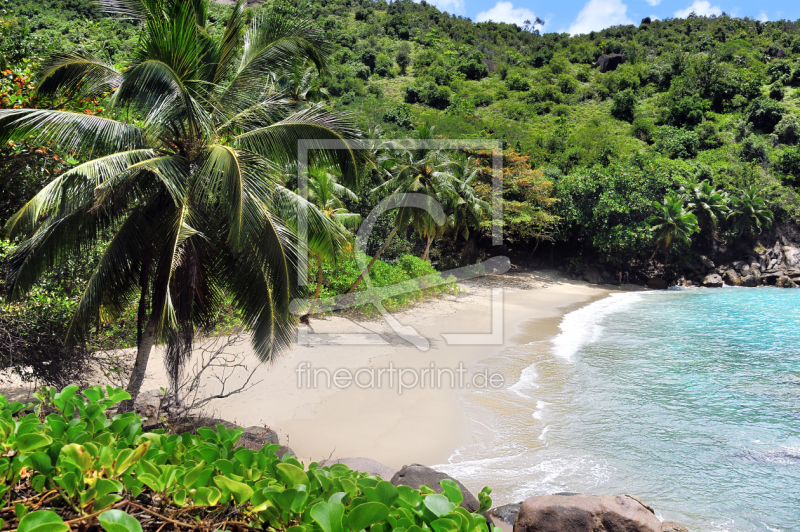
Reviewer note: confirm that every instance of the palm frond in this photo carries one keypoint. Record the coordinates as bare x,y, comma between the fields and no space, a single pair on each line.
77,74
69,131
229,45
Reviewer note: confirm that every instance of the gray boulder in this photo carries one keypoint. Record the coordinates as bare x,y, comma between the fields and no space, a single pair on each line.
712,280
592,275
784,282
506,513
255,438
732,278
749,280
657,283
672,526
283,450
708,264
148,404
363,464
608,62
585,513
416,475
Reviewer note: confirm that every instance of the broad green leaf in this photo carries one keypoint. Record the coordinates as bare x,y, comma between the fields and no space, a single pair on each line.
438,504
42,521
77,455
444,525
241,492
328,515
292,474
367,514
207,496
452,491
118,521
30,442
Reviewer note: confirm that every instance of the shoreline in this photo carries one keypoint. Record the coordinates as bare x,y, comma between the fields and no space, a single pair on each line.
423,424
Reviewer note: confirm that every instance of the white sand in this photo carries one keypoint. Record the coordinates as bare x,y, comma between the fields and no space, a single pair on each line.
422,425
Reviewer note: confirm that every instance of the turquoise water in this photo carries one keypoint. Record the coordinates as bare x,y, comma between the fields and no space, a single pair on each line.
687,398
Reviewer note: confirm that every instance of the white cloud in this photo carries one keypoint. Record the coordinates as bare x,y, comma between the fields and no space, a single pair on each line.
600,14
701,8
763,16
653,2
506,12
451,6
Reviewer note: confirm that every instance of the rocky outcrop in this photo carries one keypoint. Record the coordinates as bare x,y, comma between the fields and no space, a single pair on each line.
712,280
672,526
416,475
364,464
593,275
657,283
254,438
506,513
585,513
608,62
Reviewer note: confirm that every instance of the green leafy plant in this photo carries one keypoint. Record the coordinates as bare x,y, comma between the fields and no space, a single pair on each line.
75,461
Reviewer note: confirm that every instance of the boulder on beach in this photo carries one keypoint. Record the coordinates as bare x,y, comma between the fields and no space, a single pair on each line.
506,513
657,283
712,280
585,513
732,278
672,526
254,438
367,465
416,475
593,275
784,282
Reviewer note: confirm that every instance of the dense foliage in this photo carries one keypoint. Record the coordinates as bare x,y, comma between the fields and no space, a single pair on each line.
72,461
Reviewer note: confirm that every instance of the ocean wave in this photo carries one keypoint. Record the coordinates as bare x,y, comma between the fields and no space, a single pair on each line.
584,326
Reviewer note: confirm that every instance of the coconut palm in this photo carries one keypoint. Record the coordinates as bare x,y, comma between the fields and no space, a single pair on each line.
415,170
183,178
468,210
707,203
326,194
673,222
301,84
750,212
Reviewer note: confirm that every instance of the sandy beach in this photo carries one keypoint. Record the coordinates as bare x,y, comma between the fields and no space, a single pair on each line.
376,418
420,421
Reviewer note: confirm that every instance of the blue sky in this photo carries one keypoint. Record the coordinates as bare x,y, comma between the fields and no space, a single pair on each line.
583,16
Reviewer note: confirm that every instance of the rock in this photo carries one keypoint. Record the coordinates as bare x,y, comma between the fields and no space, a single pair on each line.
791,255
284,449
738,265
672,526
506,513
192,425
712,280
148,404
364,464
415,475
745,270
606,276
707,263
732,278
608,62
657,283
784,282
749,280
592,275
754,267
255,438
585,513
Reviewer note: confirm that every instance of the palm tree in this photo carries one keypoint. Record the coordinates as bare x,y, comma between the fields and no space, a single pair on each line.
326,193
183,176
301,84
468,210
750,212
707,203
673,222
415,170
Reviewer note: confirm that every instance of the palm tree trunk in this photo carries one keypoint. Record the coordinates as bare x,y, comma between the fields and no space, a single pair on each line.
372,262
319,285
427,248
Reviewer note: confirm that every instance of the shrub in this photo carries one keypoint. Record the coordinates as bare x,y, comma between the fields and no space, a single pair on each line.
482,99
708,132
98,463
384,66
411,94
686,111
375,90
789,163
515,82
399,115
764,114
676,143
776,92
788,129
473,67
567,84
754,149
643,129
369,58
624,105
